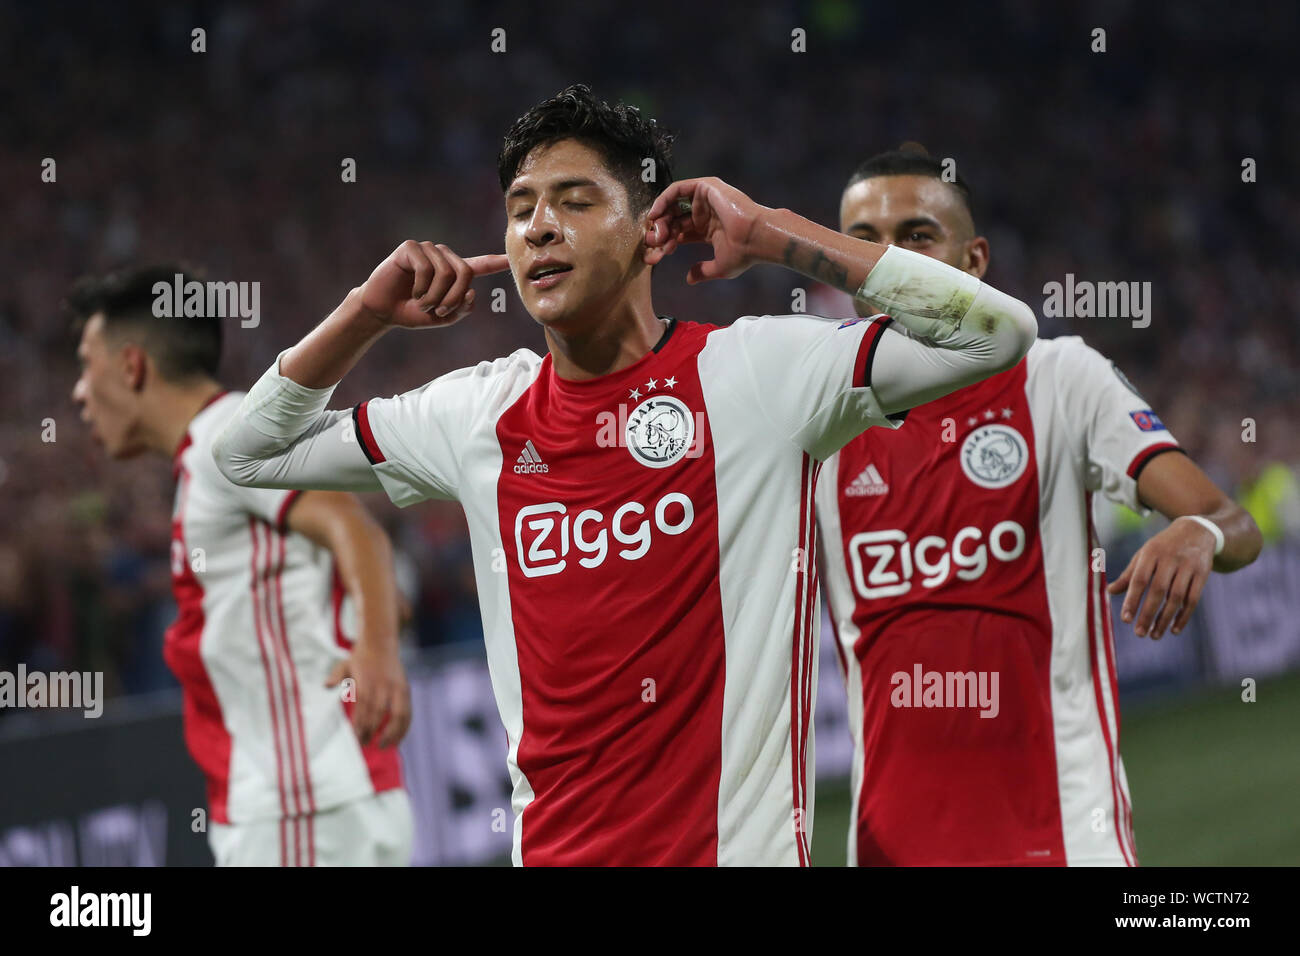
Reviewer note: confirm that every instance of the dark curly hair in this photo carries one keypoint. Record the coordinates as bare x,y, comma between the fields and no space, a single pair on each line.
619,133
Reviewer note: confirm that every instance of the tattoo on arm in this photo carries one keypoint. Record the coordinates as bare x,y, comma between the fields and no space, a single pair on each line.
815,263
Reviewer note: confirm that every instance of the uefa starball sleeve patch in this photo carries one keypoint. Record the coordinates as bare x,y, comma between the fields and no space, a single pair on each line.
1147,421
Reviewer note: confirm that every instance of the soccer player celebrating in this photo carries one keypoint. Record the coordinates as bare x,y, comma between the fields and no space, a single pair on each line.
968,590
299,771
639,498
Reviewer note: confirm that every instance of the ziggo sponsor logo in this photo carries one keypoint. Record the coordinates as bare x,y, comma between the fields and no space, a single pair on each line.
551,532
897,559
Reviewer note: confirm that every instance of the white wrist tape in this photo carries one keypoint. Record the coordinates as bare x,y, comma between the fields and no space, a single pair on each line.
280,408
1213,528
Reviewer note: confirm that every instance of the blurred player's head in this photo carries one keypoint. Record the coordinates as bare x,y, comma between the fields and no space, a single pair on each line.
133,362
908,198
571,170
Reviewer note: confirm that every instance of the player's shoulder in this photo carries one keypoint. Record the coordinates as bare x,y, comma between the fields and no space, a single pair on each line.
1063,348
464,394
486,376
781,331
212,418
202,435
1065,356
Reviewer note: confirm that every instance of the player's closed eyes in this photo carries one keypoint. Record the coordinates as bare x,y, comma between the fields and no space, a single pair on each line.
572,204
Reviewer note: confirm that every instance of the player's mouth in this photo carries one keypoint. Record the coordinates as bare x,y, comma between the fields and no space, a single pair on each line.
546,273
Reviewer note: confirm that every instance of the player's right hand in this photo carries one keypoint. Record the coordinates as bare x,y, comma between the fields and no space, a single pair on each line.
424,285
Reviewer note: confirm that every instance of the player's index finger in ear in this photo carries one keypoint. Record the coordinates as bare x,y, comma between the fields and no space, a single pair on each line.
667,202
489,264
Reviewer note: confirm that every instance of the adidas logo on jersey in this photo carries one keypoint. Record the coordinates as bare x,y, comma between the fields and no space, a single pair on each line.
867,483
529,462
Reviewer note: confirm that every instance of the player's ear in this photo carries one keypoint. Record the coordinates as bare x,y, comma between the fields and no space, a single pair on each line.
135,365
977,256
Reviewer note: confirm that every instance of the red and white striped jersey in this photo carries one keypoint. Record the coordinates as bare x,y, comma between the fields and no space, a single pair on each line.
967,588
261,623
641,546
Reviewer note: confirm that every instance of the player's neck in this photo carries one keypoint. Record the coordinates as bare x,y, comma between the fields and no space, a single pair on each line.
622,338
174,407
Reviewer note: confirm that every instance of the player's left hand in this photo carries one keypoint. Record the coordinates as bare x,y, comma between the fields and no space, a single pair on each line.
383,698
719,214
1172,569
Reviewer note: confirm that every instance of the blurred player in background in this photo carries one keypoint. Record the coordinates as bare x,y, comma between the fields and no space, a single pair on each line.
968,589
299,771
639,497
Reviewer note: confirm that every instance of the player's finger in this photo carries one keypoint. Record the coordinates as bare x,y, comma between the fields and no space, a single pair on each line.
1189,605
339,671
489,264
1173,604
1155,598
666,203
466,306
399,717
700,272
1139,574
463,276
443,276
369,711
410,257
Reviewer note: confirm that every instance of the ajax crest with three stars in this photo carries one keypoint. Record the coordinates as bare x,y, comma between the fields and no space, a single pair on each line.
994,455
660,430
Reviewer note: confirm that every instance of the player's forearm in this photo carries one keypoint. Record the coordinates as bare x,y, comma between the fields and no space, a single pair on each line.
329,351
282,437
364,558
941,305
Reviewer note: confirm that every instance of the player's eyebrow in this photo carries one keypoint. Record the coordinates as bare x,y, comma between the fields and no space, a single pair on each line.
917,222
558,187
914,223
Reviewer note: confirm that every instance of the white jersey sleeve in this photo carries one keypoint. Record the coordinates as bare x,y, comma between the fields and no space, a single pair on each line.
1119,431
809,377
413,440
416,441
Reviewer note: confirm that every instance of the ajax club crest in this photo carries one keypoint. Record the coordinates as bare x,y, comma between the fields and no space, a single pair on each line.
994,456
660,431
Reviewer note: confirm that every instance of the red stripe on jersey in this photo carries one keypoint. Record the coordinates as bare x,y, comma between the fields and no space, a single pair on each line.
255,585
383,764
206,736
1109,632
367,436
866,352
1146,454
1096,661
283,633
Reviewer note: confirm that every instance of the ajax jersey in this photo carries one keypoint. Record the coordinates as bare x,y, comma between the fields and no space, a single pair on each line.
261,623
967,588
642,546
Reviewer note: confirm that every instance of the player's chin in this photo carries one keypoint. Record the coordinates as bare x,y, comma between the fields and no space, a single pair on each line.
551,311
